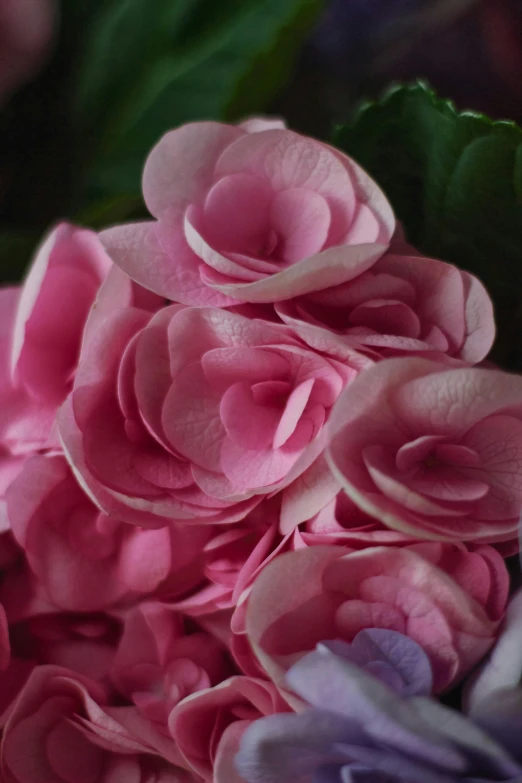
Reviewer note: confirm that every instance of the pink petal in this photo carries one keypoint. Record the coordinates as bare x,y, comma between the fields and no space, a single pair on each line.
180,168
73,581
329,376
272,600
330,267
31,289
307,495
259,555
248,469
395,343
296,403
109,453
301,219
480,321
412,453
132,510
362,415
36,766
236,213
125,381
307,429
137,250
436,340
445,401
500,581
368,192
72,757
248,425
447,484
380,468
258,265
224,763
225,366
457,454
194,332
440,293
413,572
387,317
117,291
287,160
68,269
195,724
355,615
224,265
370,285
52,333
364,227
162,469
152,378
191,419
74,578
259,124
145,559
300,629
24,496
101,359
498,442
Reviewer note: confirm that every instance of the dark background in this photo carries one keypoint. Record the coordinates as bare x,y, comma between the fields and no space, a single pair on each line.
77,122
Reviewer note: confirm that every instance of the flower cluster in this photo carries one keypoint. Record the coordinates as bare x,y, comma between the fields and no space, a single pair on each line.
256,426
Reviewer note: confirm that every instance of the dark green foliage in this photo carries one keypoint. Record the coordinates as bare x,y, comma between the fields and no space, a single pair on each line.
455,182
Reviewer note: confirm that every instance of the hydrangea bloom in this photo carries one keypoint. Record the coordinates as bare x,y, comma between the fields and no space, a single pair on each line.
253,213
432,451
449,600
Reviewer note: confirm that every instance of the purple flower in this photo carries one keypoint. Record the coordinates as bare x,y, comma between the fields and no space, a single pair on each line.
502,669
358,729
395,659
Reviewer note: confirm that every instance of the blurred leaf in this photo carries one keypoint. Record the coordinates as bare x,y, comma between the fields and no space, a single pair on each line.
142,72
273,65
117,209
455,181
16,250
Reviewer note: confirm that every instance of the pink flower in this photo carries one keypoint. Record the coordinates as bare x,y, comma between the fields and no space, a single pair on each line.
448,600
431,451
236,554
209,725
58,732
196,413
25,425
158,662
85,560
25,34
56,298
41,328
403,304
254,213
340,521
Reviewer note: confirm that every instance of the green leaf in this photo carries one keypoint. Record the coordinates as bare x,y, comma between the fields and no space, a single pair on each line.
455,181
142,72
